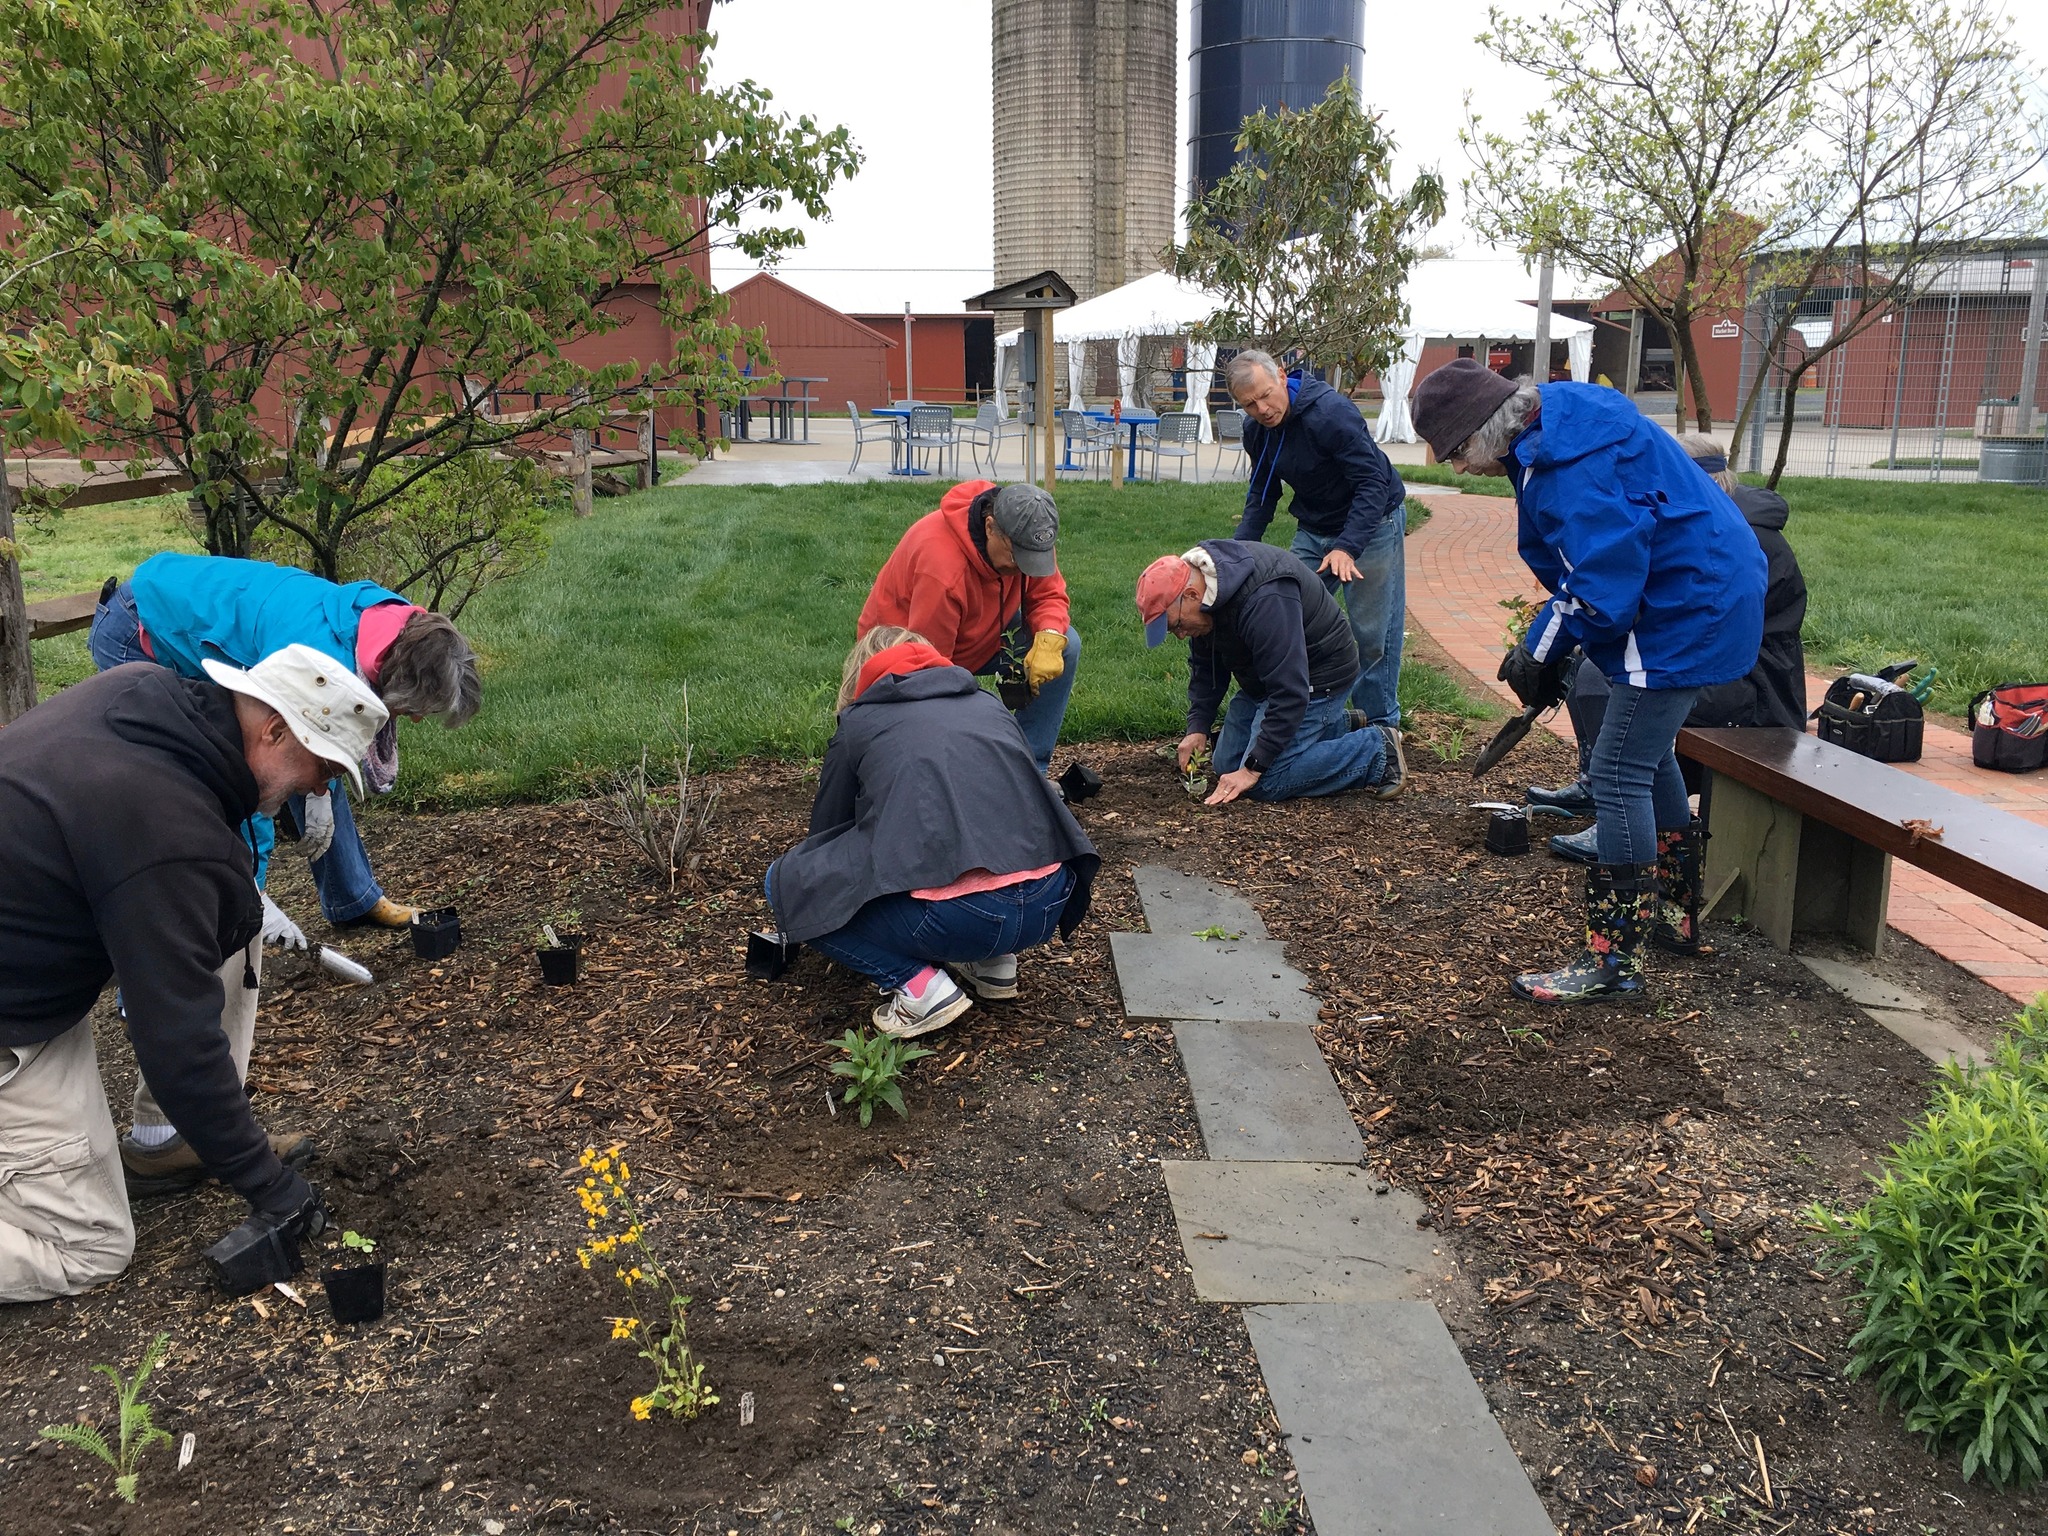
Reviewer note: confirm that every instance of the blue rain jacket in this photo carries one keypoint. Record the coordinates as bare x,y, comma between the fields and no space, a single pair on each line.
1653,572
200,607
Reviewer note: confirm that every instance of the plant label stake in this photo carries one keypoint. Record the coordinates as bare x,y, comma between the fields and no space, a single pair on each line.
746,1409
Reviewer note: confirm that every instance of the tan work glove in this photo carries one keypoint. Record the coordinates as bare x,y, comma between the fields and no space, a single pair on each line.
1046,659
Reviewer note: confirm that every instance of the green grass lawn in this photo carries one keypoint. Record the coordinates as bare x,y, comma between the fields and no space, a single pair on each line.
746,594
1952,574
67,552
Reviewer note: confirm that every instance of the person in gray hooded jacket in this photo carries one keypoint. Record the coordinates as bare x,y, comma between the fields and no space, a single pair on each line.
936,844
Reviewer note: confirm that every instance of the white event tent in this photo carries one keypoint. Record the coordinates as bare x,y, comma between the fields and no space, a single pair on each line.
1469,299
1158,304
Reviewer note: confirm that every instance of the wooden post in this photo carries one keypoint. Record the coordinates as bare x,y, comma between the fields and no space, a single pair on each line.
17,662
579,461
1045,394
650,472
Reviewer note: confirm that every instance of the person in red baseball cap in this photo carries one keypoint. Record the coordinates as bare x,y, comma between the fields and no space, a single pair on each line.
1254,614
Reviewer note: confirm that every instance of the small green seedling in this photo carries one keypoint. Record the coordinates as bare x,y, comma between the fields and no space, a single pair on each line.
1196,779
875,1064
138,1429
359,1243
1217,932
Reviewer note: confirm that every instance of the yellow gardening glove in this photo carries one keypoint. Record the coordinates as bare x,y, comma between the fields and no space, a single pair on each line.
1046,659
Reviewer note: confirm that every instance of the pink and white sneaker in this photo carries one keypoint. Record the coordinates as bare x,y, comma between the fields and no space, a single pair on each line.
930,1000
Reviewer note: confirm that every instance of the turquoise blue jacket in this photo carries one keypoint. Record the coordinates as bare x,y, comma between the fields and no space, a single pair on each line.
200,607
1651,569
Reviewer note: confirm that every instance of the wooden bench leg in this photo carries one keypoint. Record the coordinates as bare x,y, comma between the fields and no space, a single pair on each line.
1752,866
1844,887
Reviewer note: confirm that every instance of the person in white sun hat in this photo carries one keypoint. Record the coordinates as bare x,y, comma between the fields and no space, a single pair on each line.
127,799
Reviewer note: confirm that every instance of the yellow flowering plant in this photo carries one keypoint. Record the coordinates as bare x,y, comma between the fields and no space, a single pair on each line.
618,1236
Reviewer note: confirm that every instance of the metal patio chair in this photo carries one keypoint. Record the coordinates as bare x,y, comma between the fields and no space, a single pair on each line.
931,431
1177,435
1085,441
1230,443
872,428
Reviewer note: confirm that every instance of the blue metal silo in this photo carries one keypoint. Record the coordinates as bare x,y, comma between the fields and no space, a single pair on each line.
1253,55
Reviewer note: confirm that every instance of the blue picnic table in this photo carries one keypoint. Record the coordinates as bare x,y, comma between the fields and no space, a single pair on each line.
1133,420
899,452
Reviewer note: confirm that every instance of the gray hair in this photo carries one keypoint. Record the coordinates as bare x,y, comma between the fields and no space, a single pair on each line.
1698,445
429,669
1489,441
1245,361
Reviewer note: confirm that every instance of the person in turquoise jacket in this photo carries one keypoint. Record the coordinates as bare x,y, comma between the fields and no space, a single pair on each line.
181,611
1656,577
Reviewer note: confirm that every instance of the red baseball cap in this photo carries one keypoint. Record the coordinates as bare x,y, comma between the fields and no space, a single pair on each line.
1158,589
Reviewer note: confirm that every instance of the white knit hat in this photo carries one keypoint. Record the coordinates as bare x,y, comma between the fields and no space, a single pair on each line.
330,710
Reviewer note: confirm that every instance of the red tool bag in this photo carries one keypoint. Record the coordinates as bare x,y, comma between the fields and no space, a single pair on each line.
2009,727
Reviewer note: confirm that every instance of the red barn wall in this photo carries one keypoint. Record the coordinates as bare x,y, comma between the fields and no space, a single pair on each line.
939,359
809,339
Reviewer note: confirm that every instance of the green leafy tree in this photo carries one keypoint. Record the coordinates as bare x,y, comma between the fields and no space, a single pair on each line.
1658,162
437,201
1305,241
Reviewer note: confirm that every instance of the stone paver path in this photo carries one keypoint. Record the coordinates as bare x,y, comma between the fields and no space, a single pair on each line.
1390,1435
1462,562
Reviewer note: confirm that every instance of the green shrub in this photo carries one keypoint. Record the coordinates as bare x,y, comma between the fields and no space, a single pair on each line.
1952,1257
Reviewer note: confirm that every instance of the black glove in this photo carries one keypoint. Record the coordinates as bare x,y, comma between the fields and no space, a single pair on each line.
1538,684
265,1248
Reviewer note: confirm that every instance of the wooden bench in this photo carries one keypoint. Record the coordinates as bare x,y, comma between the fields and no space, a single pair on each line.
61,615
1803,834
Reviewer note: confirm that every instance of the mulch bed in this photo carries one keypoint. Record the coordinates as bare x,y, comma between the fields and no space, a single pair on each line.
979,1318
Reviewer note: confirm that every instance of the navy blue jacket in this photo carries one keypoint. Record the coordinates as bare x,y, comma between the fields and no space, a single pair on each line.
1652,572
1343,485
1279,633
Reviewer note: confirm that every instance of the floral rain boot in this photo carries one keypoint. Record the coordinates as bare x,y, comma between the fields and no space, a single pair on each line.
1680,856
1619,902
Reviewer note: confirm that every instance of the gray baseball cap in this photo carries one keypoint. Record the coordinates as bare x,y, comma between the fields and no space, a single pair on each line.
1031,523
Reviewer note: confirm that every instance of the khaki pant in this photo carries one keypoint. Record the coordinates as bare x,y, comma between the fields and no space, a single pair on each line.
64,1221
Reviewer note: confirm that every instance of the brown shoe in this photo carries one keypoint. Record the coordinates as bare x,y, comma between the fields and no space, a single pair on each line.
386,914
173,1165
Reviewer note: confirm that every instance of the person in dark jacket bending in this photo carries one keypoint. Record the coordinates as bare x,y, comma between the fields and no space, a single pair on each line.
1256,615
1350,505
1774,692
936,843
126,801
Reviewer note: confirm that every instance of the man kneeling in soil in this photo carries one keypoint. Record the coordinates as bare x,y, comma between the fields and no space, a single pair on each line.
934,840
979,581
126,801
1257,614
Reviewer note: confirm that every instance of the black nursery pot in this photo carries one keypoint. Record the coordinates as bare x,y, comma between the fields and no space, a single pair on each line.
560,966
1507,832
436,934
1080,782
769,955
355,1292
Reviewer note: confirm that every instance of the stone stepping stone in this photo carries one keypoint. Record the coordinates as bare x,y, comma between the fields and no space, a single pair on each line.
1169,976
1389,1433
1263,1093
1178,903
1273,1232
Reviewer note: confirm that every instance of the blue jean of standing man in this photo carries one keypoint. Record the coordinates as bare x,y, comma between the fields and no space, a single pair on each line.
1377,606
1326,756
1040,720
342,875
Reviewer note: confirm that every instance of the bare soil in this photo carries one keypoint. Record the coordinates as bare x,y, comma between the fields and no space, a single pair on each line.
979,1318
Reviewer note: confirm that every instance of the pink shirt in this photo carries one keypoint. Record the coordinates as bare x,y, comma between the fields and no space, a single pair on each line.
976,881
376,630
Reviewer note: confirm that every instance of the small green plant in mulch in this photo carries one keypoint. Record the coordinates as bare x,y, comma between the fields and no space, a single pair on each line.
1951,1254
137,1430
1216,932
874,1066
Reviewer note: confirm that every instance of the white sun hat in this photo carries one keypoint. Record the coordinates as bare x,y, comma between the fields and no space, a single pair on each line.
330,710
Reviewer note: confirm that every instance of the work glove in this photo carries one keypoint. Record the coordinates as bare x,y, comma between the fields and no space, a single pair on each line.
265,1249
278,928
1538,684
318,834
1046,659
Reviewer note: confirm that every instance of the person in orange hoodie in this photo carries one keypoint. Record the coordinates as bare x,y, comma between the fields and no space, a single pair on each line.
978,579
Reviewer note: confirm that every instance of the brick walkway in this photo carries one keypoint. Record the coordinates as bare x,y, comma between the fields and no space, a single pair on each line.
1462,562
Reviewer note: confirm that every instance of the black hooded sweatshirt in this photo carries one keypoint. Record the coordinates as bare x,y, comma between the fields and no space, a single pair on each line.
1774,692
122,806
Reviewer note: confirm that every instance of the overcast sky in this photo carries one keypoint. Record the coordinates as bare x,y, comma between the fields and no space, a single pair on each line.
911,79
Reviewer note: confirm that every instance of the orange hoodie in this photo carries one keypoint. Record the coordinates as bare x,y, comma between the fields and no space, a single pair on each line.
937,583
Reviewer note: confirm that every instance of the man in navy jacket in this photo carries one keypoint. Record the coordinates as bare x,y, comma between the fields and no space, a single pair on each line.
1254,615
1348,501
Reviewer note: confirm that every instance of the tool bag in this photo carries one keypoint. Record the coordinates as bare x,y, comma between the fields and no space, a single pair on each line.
2009,727
1873,716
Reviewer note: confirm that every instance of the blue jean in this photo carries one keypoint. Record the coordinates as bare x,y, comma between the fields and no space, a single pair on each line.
1326,756
1040,720
892,938
1377,606
1638,790
342,875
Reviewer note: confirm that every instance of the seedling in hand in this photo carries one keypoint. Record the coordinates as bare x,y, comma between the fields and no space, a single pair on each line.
138,1431
1196,779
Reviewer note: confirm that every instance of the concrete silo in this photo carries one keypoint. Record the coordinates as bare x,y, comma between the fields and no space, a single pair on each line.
1084,151
1254,55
